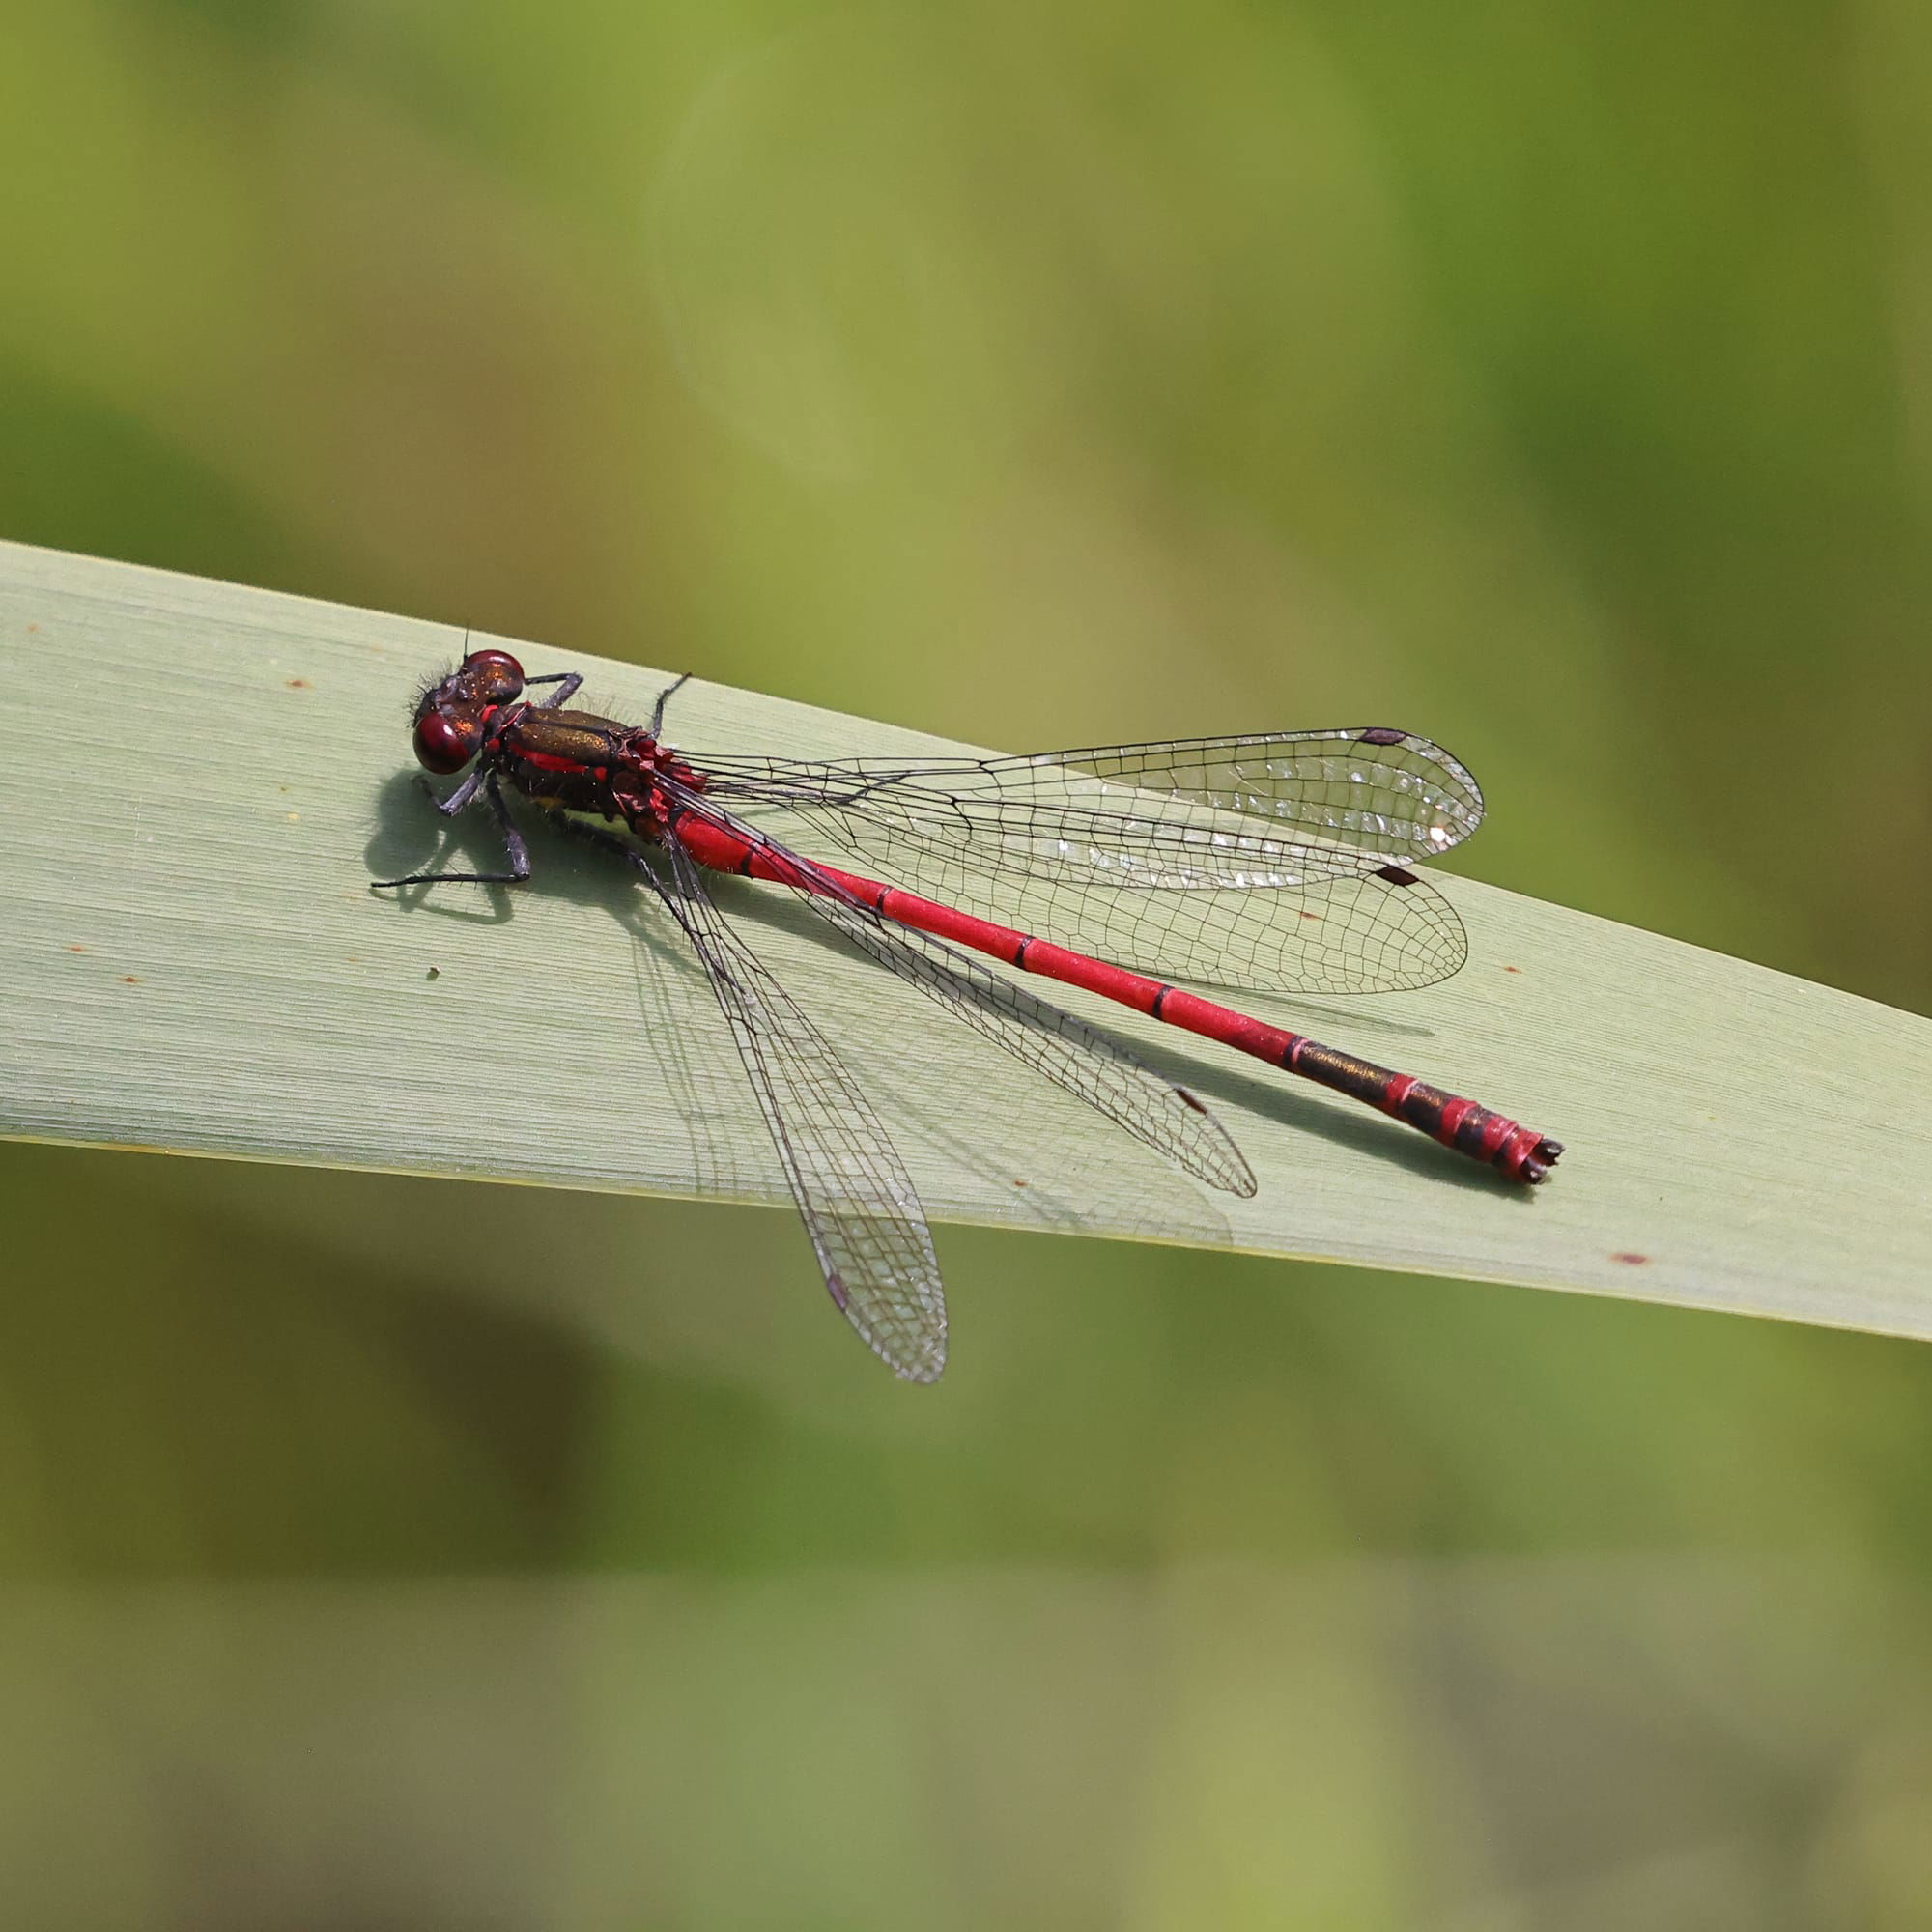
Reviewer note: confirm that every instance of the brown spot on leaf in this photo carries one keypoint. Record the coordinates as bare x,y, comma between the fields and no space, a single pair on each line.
300,684
1633,1260
130,980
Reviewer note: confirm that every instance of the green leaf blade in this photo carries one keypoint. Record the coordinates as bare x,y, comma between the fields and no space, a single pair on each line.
203,779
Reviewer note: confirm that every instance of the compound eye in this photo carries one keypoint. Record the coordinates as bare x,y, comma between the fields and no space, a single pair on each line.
500,661
445,744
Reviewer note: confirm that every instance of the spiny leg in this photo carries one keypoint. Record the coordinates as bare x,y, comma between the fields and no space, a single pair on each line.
566,682
663,699
449,806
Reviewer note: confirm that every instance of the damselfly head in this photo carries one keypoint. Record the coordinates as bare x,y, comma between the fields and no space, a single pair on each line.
452,713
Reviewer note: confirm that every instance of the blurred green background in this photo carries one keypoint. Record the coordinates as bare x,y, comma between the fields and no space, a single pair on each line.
1553,381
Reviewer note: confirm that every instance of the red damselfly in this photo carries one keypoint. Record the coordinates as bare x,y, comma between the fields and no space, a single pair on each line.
1167,855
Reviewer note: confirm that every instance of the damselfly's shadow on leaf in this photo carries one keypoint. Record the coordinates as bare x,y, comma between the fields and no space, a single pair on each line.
697,1066
1050,1181
411,838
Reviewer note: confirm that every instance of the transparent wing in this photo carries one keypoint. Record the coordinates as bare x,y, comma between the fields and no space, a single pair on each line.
1277,808
853,1192
1085,1061
1287,848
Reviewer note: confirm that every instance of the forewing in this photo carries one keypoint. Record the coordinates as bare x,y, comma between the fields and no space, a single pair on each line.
853,1193
1288,848
1277,808
1382,793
